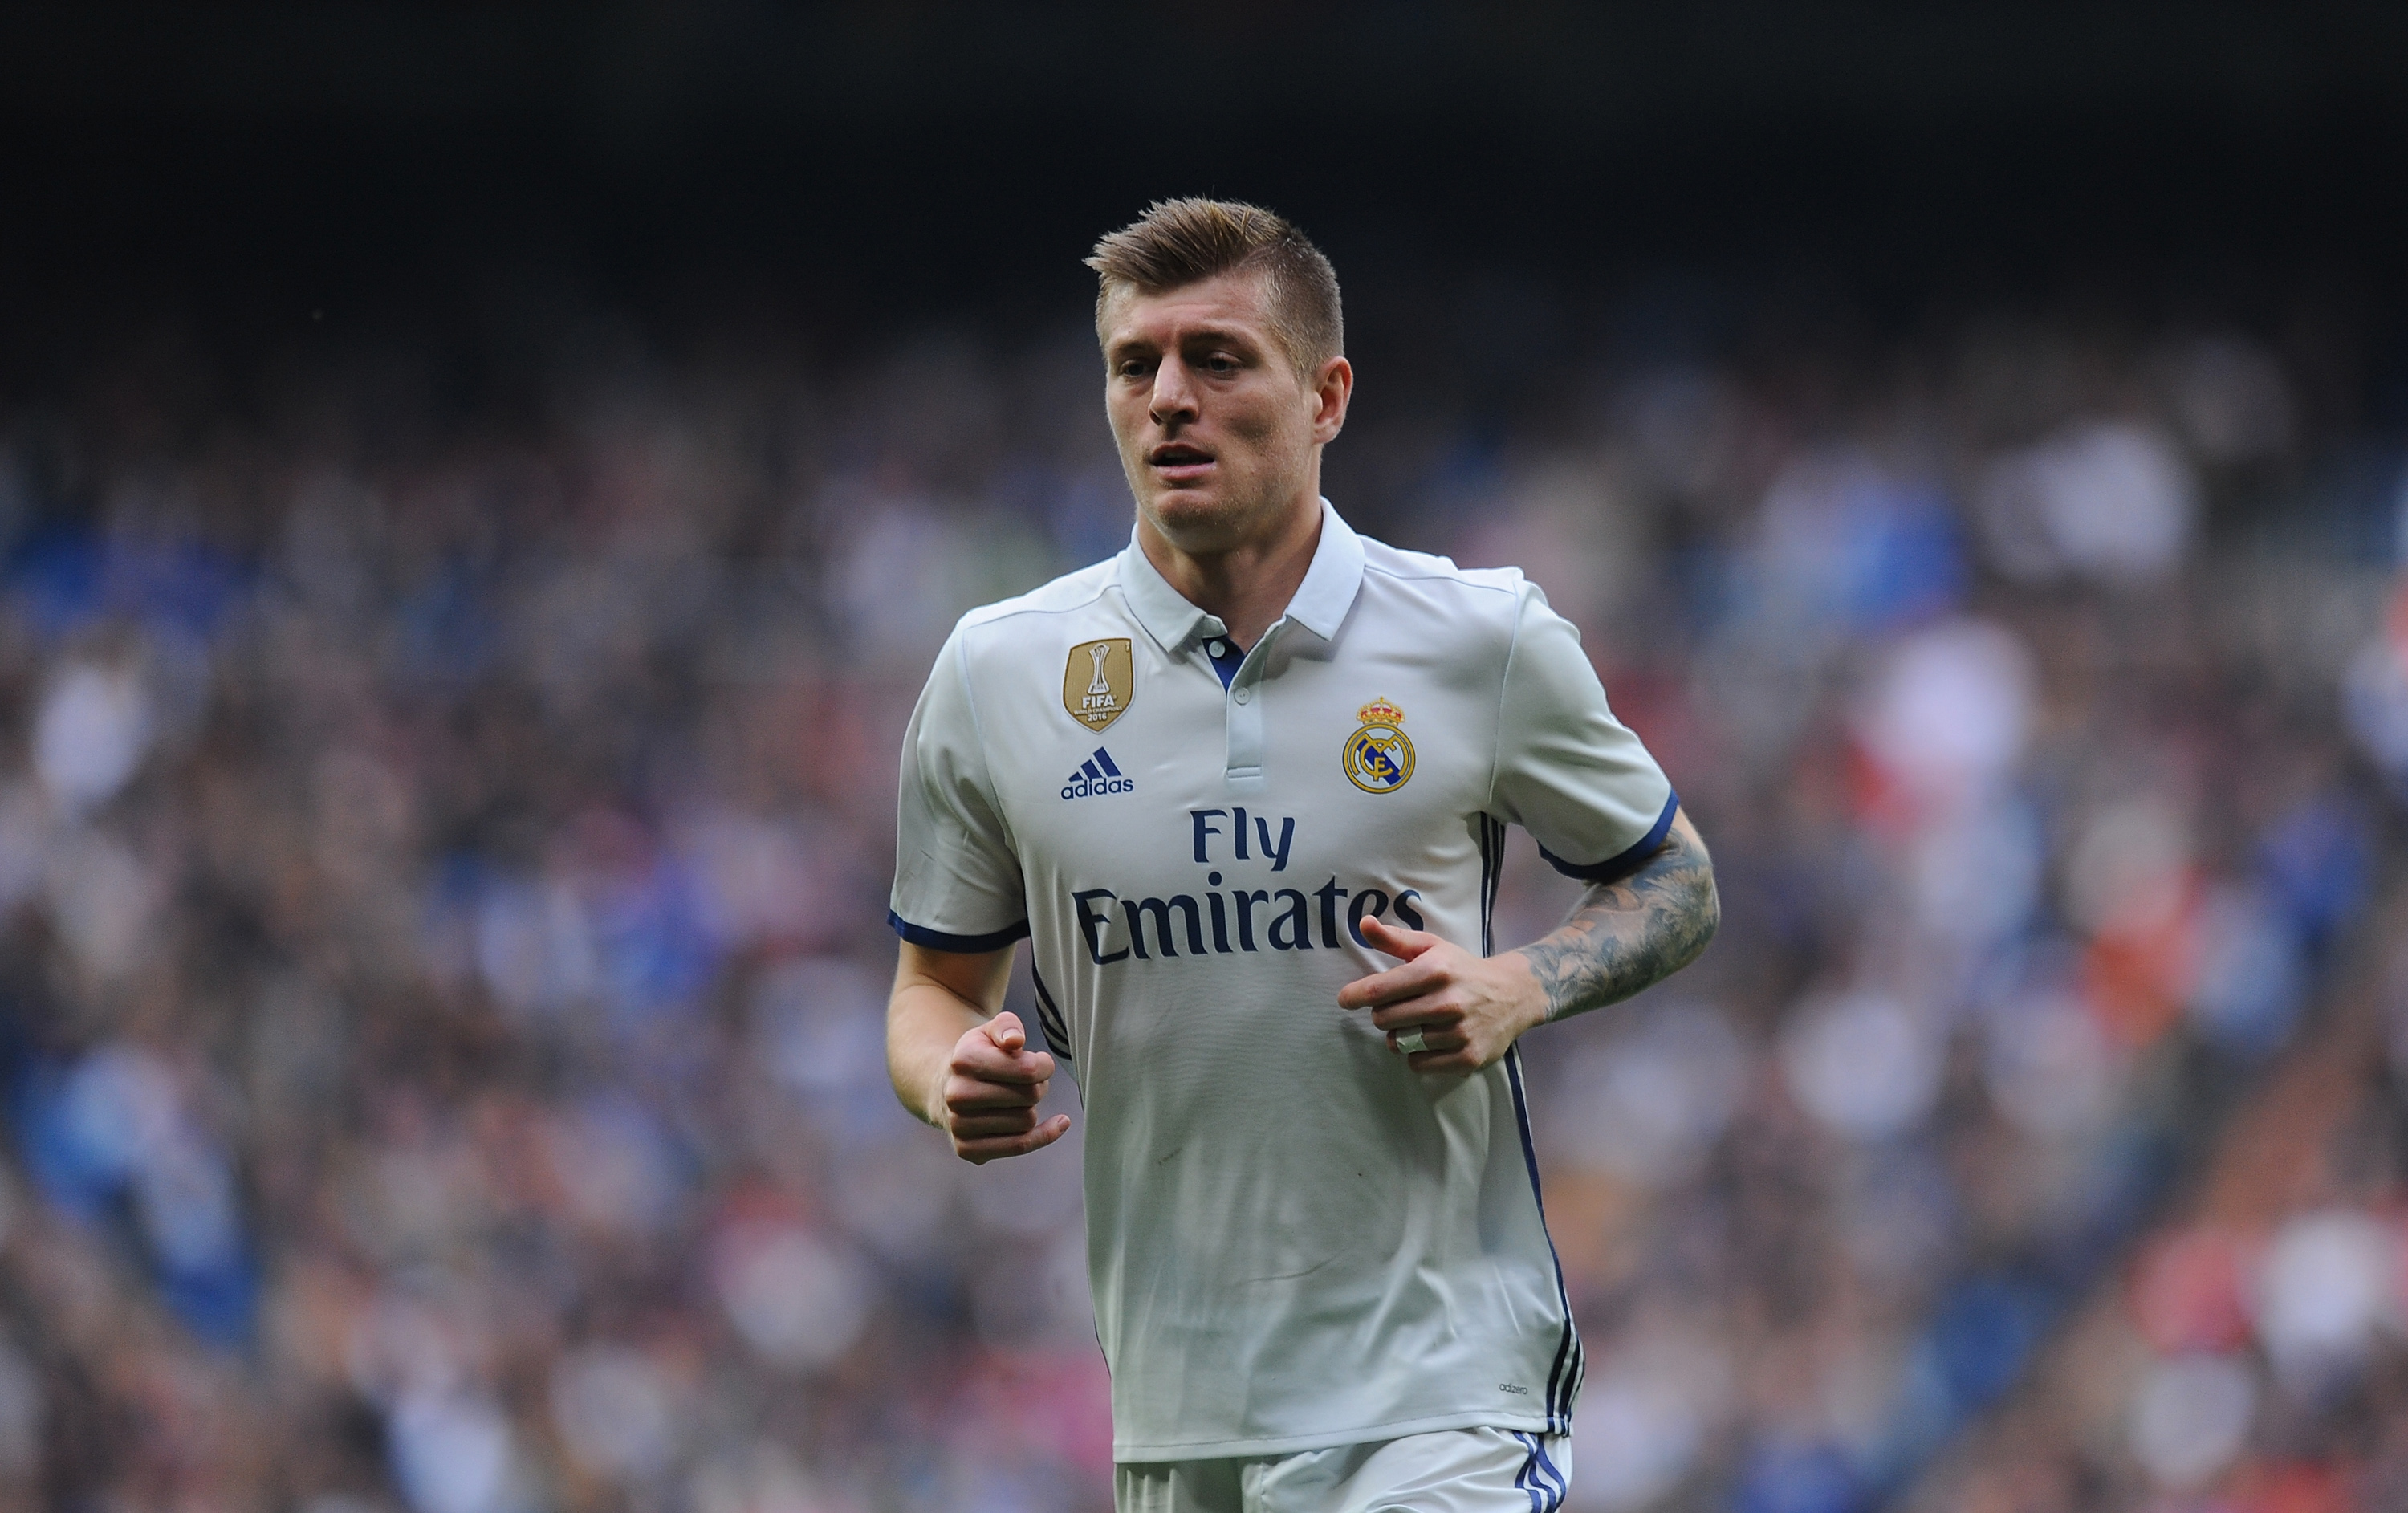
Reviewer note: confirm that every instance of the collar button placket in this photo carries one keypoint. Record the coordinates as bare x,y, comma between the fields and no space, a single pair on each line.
1243,712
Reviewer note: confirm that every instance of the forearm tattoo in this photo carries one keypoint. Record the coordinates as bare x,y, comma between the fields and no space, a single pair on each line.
1626,935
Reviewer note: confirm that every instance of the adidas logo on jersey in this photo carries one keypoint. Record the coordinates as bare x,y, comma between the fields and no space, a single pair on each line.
1098,777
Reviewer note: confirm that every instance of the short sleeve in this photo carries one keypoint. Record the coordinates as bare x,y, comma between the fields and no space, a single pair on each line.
1567,770
956,880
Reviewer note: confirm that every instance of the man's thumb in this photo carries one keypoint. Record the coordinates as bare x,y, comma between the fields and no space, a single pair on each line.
1006,1032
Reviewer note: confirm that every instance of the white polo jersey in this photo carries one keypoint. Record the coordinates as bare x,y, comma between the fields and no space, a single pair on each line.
1295,1240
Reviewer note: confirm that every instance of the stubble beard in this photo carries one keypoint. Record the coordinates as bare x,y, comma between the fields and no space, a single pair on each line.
1203,527
1230,520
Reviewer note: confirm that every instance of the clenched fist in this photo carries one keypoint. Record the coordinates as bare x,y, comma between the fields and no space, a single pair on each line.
993,1084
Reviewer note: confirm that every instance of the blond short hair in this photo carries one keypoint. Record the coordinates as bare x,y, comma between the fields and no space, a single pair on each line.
1181,242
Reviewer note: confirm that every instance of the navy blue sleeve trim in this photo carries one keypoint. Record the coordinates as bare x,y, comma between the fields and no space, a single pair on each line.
1622,865
920,934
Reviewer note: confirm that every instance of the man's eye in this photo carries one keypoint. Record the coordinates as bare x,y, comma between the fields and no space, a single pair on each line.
1221,362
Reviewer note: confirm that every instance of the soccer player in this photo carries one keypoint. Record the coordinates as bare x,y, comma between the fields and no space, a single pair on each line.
1252,833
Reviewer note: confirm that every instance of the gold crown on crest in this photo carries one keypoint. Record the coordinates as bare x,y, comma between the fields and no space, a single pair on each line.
1380,712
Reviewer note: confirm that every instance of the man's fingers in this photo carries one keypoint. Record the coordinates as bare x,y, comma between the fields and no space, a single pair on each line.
1449,1035
978,1058
1382,935
969,1095
1397,982
1424,967
1430,1014
982,1151
1004,1031
984,1124
1026,1067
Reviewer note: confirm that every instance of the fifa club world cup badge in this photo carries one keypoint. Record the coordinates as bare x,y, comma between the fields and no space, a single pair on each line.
1379,759
1099,681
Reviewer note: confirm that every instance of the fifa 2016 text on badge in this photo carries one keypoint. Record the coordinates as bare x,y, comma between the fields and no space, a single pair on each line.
1379,759
1099,681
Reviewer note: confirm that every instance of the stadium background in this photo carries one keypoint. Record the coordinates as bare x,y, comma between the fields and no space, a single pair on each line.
478,487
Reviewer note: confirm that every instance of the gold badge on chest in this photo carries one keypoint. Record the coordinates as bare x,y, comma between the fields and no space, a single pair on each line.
1378,757
1099,681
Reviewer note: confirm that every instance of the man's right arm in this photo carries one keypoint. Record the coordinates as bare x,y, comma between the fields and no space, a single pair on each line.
961,1064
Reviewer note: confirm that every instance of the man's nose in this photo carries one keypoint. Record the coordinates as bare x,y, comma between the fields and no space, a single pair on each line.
1174,396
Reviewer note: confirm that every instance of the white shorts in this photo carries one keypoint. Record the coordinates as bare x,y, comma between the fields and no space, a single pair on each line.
1449,1471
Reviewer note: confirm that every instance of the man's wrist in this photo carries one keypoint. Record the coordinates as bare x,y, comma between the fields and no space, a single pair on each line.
1540,1011
1530,994
921,1091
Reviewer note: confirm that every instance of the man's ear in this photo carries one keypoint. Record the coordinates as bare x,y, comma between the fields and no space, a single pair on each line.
1333,388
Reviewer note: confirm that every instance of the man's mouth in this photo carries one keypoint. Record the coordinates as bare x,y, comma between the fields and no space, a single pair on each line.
1176,459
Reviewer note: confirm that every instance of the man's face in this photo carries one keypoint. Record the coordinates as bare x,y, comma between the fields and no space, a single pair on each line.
1219,435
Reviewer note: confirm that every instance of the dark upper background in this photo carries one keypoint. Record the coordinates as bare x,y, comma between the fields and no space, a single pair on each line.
275,170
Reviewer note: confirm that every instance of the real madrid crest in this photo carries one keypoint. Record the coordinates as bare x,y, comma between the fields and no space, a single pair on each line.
1379,759
1099,681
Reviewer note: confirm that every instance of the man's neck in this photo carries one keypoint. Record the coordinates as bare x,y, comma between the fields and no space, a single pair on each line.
1247,586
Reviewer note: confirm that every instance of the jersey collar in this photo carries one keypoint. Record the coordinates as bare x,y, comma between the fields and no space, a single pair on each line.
1319,606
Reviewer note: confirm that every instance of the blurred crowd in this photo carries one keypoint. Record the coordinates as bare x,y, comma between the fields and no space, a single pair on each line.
2037,696
443,849
2249,1354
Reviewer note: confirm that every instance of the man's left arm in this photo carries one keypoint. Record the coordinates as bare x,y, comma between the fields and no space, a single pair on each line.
1622,936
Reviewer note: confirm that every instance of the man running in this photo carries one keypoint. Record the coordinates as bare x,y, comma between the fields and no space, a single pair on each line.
1244,787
